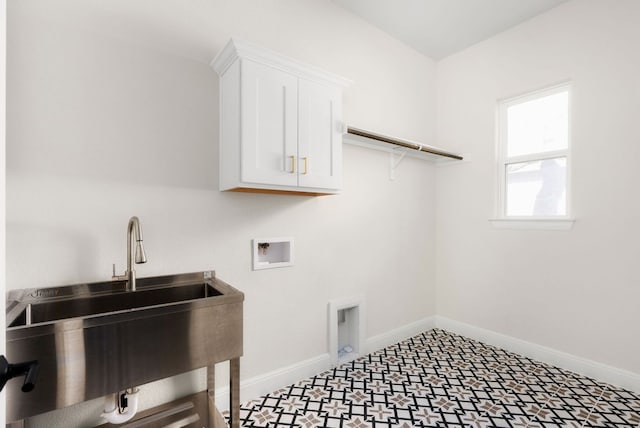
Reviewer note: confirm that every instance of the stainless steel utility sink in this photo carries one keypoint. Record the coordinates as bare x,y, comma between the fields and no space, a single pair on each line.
95,339
34,313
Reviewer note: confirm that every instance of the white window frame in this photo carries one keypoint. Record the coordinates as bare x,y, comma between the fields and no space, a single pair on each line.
501,220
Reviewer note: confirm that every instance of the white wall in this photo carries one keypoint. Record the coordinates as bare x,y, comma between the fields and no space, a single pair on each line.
3,128
575,291
113,112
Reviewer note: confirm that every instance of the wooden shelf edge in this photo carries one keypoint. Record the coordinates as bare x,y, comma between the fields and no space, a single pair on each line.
276,191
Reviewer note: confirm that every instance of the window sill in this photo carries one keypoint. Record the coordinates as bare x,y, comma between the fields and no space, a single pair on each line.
532,223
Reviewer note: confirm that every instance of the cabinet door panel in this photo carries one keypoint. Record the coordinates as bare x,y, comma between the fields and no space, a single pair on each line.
269,125
319,136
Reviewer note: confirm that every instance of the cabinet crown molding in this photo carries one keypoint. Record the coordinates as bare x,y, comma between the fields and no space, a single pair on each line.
236,48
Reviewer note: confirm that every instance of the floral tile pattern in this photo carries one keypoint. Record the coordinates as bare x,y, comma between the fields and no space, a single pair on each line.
442,380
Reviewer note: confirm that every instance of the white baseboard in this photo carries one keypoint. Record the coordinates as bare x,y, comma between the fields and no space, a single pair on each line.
257,386
268,382
599,371
399,334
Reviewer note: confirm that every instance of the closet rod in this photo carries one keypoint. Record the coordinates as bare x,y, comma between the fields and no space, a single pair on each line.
402,143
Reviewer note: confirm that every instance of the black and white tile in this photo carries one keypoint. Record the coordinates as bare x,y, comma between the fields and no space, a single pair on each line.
439,379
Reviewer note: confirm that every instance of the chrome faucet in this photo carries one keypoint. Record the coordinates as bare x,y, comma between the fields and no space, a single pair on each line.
133,228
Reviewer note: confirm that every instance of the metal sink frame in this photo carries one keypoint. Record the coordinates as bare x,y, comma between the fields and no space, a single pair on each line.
96,339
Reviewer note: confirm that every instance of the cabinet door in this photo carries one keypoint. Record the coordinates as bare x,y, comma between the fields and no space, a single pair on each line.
319,135
269,125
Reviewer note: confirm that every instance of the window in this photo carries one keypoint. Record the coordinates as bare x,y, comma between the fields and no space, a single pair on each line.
533,155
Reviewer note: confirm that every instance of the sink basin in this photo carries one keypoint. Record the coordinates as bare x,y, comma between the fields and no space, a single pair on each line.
35,313
95,339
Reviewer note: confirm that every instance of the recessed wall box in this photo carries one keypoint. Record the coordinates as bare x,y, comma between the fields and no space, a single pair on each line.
346,329
271,253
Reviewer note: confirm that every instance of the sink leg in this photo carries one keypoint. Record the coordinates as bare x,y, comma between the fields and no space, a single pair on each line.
211,395
234,399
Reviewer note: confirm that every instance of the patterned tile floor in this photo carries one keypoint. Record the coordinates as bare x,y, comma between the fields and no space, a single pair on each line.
439,379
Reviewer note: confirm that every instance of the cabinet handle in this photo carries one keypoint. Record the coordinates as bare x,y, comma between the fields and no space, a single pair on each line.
293,164
306,165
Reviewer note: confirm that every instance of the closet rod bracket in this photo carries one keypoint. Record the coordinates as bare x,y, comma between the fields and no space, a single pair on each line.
395,157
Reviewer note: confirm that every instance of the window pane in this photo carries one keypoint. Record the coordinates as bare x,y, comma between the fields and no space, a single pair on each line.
537,188
539,125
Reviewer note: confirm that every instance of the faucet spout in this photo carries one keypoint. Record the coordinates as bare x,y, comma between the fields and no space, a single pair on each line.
138,256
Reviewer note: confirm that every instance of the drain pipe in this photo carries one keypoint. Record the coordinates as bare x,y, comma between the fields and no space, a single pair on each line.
121,407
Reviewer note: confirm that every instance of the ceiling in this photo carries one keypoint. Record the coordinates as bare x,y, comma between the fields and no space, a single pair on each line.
436,28
439,28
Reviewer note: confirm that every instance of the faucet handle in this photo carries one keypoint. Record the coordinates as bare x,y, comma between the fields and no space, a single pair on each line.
117,277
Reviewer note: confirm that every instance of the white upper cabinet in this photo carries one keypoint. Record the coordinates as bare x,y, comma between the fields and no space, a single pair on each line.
280,123
319,135
268,117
